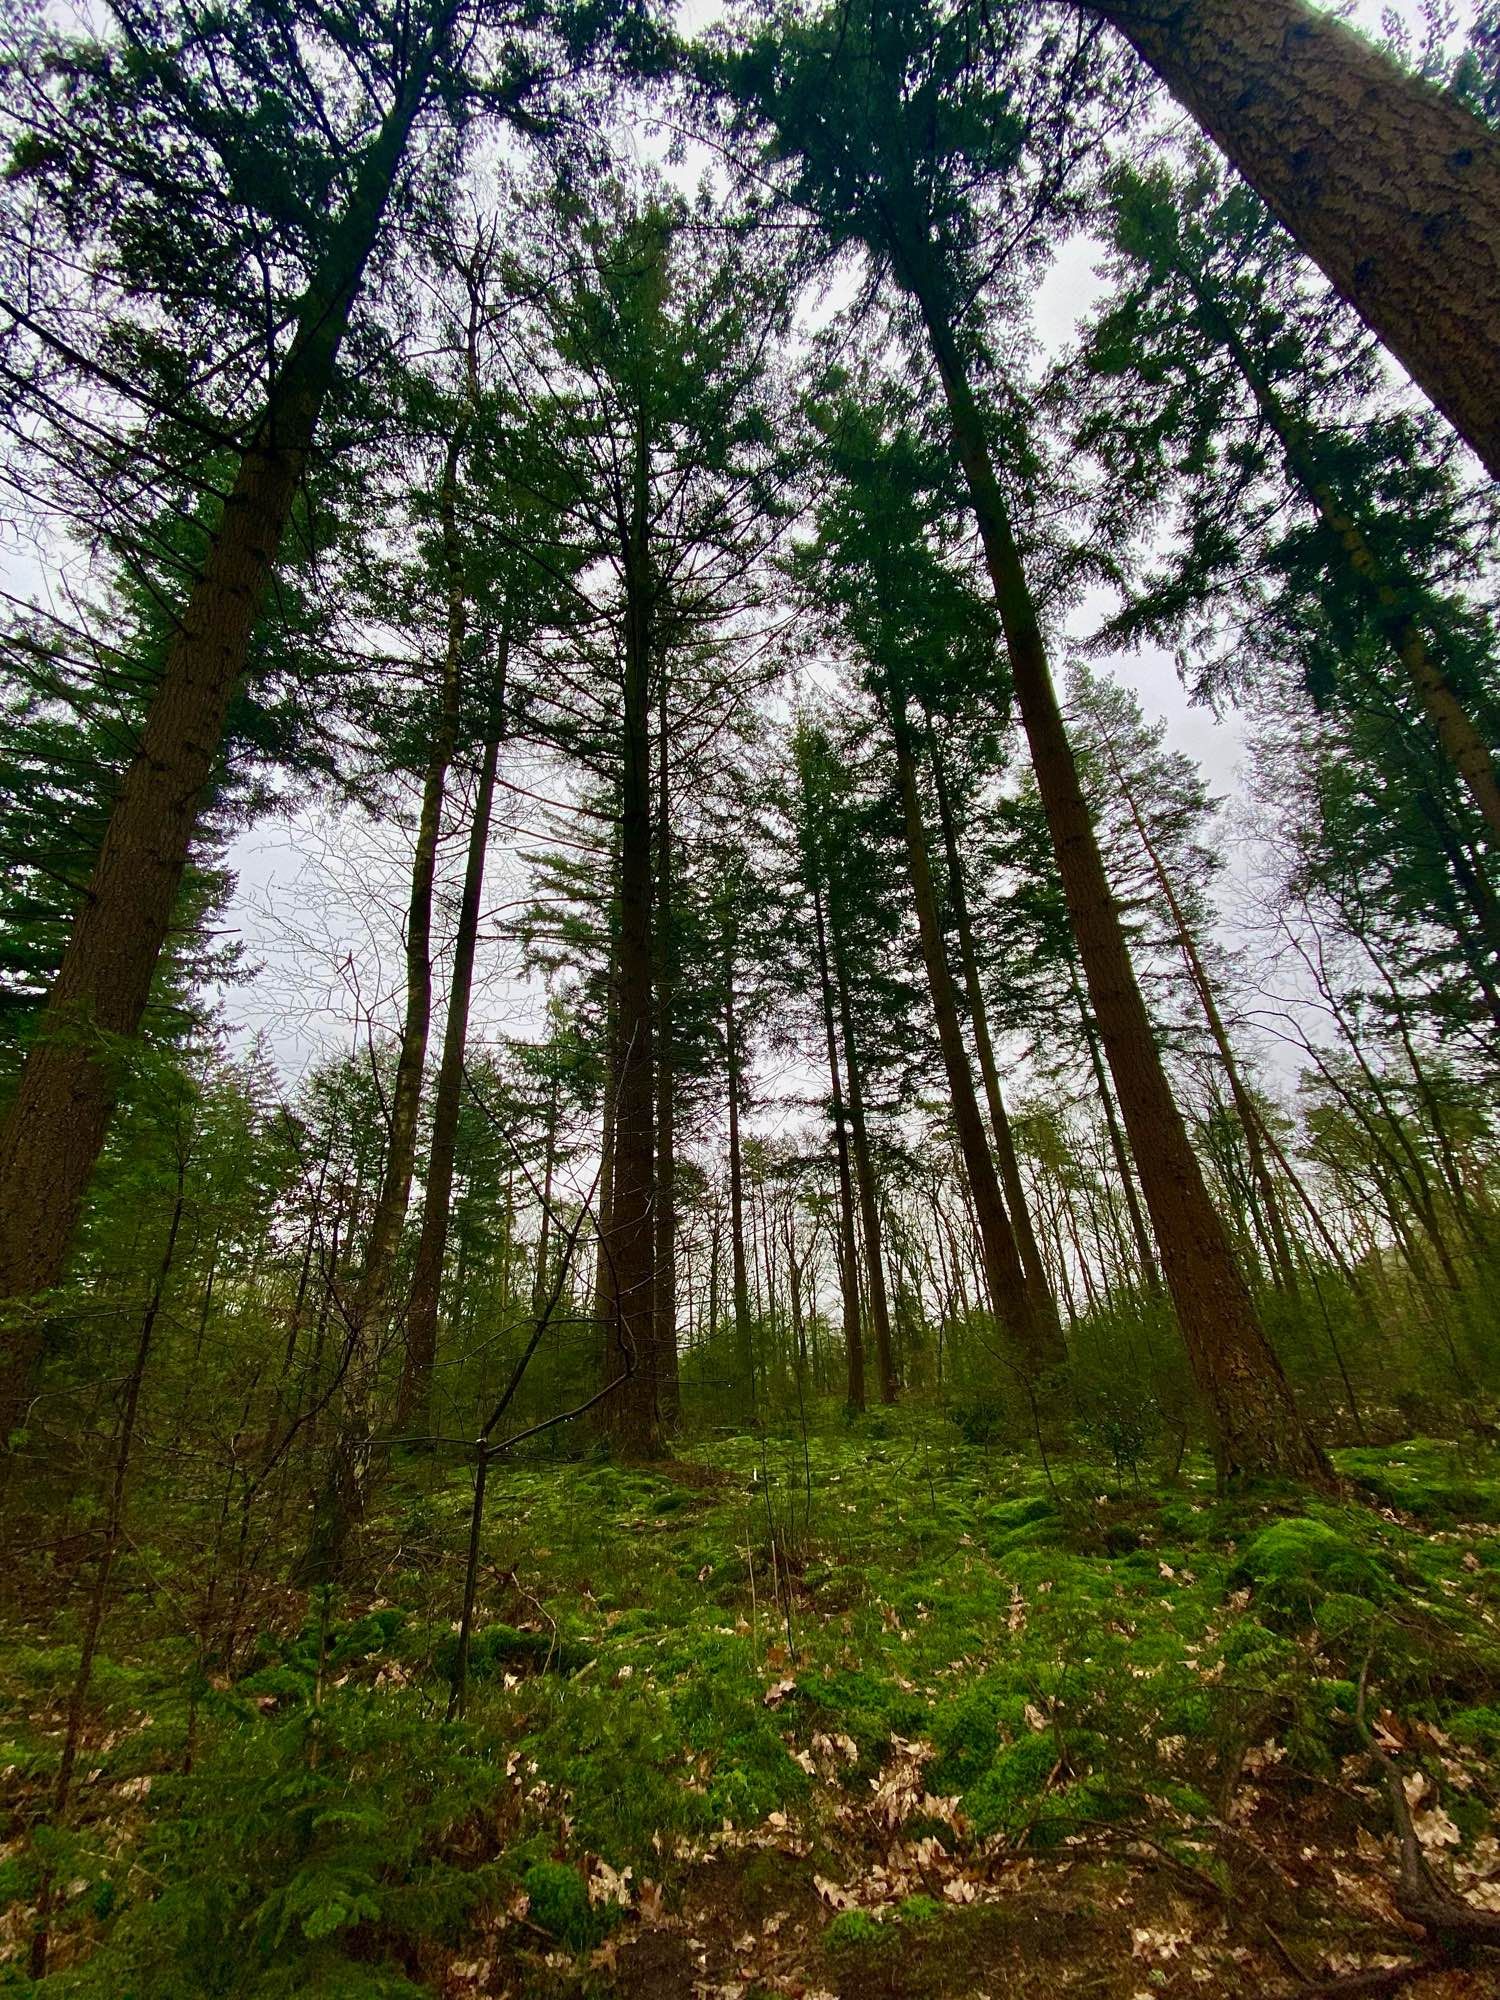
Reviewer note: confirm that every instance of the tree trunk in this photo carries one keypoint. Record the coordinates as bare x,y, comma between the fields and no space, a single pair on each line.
1461,740
1042,1300
1037,1346
864,1175
669,1387
848,1253
1283,1268
1256,1424
744,1348
340,1502
57,1122
427,1272
633,1414
1388,184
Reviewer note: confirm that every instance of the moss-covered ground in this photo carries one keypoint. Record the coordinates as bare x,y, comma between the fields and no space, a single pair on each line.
873,1712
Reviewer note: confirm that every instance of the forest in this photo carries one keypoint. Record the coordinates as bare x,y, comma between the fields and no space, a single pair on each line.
749,999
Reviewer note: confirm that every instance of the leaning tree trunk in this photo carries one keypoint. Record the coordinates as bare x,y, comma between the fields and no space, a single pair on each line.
427,1272
1037,1346
1042,1300
60,1114
848,1253
864,1175
1463,742
1283,1267
1256,1424
1389,184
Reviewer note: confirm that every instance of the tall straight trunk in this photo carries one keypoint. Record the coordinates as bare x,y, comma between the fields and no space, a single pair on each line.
427,1272
1256,1424
864,1175
1388,183
848,1253
1042,1300
744,1348
633,1416
669,1388
1461,739
1037,1346
340,1501
406,1091
57,1122
604,1291
1283,1267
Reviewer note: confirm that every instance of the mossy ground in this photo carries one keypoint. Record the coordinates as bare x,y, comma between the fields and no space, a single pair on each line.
874,1712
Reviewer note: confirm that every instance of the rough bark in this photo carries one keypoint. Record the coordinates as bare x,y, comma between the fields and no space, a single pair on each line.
633,1415
848,1254
669,1389
1256,1425
60,1114
1388,184
1042,1300
427,1271
1037,1347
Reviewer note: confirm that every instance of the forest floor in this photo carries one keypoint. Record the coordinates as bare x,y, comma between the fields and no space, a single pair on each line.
874,1713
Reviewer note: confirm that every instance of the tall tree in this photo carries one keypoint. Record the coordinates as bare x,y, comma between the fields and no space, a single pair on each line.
897,168
57,1121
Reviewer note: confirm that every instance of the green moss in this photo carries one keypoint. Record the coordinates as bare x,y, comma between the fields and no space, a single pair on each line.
558,1900
1005,1798
919,1910
853,1928
1299,1566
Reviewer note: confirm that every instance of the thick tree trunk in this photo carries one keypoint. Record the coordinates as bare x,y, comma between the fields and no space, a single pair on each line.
864,1175
1388,184
60,1114
848,1253
1042,1300
669,1387
1257,1427
634,1418
427,1272
1037,1346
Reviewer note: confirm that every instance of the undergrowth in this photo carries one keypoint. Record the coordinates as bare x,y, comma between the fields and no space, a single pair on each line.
665,1665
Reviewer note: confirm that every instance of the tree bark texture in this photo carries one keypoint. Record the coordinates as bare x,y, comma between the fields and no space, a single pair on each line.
1388,184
